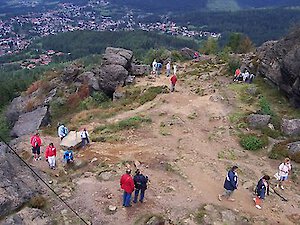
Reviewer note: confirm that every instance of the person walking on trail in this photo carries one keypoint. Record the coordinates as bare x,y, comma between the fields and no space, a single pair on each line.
154,66
62,131
230,184
68,156
261,190
84,137
140,184
50,155
168,69
127,185
284,171
158,68
175,69
173,82
36,143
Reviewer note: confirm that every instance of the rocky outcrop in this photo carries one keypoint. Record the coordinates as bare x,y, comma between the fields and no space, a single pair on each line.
140,70
258,121
90,79
291,127
70,73
17,184
31,121
279,61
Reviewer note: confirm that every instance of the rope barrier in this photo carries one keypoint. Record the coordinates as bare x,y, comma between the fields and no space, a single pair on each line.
35,173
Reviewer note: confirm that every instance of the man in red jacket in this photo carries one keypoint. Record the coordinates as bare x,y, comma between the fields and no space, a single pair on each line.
50,155
173,82
36,143
127,185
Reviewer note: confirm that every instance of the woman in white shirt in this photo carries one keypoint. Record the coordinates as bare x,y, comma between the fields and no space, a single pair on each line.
284,171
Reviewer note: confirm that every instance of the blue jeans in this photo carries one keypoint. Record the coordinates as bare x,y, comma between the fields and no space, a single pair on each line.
126,199
136,194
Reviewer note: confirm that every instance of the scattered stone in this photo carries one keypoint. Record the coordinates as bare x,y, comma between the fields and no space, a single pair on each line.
88,174
170,189
137,164
112,208
156,220
110,196
50,182
228,217
258,121
271,126
105,176
94,160
216,98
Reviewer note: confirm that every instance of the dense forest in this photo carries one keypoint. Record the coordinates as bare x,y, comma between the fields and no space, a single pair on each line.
260,25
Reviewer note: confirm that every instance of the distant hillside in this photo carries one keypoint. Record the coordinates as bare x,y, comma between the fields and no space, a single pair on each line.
210,5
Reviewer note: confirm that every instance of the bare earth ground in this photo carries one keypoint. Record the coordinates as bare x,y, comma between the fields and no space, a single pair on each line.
182,151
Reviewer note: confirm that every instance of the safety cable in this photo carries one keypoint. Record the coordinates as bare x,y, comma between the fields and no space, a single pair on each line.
35,173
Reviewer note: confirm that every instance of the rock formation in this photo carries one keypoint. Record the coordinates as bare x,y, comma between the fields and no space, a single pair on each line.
279,61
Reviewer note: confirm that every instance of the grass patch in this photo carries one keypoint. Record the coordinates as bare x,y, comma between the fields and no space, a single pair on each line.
38,202
151,94
271,133
130,123
199,215
4,127
253,142
228,154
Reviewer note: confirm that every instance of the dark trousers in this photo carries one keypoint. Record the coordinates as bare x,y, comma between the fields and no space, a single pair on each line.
126,199
136,194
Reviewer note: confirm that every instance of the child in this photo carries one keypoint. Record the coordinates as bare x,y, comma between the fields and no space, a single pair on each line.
262,189
68,156
284,171
173,82
50,155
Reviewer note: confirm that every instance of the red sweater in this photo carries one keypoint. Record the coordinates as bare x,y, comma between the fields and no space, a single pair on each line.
173,79
35,140
127,183
50,151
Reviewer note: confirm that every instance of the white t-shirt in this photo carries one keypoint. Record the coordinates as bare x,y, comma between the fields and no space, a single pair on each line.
284,169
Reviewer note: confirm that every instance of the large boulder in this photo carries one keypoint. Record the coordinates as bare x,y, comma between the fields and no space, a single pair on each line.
17,184
73,139
31,121
70,73
279,61
294,148
290,127
258,121
140,70
112,76
90,79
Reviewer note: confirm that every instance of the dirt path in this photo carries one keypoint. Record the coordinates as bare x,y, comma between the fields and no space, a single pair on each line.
182,152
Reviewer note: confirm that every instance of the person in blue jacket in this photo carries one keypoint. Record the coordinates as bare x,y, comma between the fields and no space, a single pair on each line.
68,156
230,184
261,190
140,184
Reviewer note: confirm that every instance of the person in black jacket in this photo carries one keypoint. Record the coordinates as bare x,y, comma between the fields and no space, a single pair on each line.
230,184
261,190
140,183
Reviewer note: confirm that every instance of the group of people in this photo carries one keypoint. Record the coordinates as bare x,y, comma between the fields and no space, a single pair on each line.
262,187
50,152
157,68
243,76
138,184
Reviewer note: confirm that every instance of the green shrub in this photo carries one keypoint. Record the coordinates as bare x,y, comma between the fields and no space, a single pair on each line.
233,64
150,94
271,133
4,127
38,202
265,107
279,151
252,142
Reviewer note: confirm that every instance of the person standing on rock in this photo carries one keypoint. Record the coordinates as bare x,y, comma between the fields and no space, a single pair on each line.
168,68
261,190
230,184
127,185
62,131
50,155
173,82
36,143
140,183
84,137
284,171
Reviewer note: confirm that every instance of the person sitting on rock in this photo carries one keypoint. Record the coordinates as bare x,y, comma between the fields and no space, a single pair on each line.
261,190
68,156
62,131
140,184
50,155
237,74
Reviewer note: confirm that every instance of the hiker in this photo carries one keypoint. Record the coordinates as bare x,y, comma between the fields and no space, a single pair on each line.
246,76
168,68
284,171
50,155
159,67
175,69
173,82
251,77
36,143
261,190
62,131
196,55
237,74
230,184
140,183
84,137
68,156
154,66
127,185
